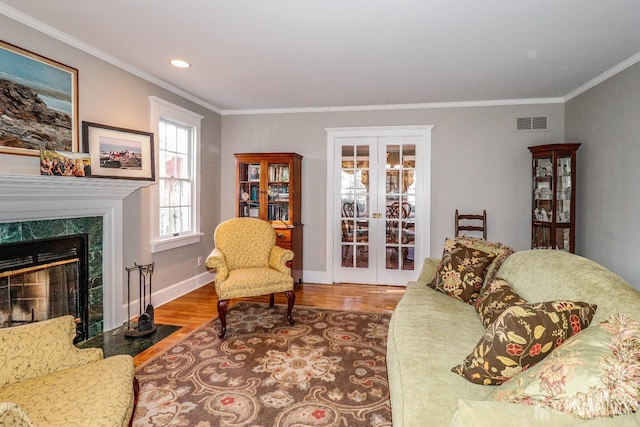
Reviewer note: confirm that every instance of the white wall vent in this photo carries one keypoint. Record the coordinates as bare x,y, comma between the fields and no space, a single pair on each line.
532,123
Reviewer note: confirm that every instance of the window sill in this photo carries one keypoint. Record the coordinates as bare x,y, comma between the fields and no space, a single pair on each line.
175,242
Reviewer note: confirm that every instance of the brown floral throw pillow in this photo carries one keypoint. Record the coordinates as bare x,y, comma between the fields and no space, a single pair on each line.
495,298
500,251
522,336
461,272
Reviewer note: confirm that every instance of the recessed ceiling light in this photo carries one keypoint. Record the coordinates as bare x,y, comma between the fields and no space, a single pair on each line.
180,63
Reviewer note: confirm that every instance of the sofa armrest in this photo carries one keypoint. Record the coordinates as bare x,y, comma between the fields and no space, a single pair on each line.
41,348
278,259
428,271
218,262
13,415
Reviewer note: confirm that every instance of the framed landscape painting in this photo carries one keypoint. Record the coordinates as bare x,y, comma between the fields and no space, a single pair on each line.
40,103
119,153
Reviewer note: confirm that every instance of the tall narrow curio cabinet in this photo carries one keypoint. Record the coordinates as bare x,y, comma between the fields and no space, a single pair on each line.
553,224
268,186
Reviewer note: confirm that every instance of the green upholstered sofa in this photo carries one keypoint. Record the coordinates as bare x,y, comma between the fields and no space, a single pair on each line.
46,381
431,332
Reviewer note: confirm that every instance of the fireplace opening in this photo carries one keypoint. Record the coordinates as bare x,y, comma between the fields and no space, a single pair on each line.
45,278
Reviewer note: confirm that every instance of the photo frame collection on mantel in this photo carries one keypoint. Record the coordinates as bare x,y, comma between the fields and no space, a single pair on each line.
42,120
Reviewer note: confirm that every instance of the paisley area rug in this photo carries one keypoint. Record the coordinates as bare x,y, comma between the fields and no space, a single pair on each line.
329,369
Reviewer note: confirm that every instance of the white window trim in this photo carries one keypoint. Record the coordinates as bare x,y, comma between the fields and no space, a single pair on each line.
161,109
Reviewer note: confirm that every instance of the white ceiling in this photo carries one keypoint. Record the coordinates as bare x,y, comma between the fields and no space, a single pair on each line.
293,54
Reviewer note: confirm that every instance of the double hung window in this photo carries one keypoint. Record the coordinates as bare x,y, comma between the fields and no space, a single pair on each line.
175,208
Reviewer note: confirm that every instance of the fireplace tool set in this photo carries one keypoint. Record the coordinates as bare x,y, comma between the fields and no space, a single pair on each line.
145,325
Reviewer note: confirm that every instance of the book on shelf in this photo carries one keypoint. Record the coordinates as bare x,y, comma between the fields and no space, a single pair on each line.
278,212
279,173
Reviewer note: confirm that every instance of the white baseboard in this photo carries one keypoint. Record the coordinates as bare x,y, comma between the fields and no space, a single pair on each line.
163,296
316,277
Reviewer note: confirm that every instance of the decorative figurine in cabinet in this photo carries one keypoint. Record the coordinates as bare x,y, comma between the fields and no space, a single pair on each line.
268,186
553,208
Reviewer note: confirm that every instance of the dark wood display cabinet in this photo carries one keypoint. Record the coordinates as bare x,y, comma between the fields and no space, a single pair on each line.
553,214
268,186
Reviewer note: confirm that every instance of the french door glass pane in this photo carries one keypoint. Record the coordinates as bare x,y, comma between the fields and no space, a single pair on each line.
400,202
362,256
355,205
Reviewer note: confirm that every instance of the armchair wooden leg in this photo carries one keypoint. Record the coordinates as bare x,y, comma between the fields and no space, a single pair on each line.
291,298
222,313
271,300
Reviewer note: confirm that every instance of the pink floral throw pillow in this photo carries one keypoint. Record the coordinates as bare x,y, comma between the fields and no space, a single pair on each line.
461,271
593,374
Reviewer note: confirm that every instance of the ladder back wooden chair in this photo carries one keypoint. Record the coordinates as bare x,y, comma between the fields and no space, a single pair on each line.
471,222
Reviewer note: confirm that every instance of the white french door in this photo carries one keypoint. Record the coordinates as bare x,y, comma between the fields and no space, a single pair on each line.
380,204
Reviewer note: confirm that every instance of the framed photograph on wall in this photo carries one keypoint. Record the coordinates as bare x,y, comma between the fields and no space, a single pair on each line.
119,153
41,100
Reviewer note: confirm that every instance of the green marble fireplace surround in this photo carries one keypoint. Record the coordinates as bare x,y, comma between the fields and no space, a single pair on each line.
24,231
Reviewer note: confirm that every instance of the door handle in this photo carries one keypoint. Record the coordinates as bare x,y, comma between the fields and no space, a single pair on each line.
376,215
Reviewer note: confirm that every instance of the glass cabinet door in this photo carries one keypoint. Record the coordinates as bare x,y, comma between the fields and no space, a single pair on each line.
249,190
278,188
563,203
553,207
542,202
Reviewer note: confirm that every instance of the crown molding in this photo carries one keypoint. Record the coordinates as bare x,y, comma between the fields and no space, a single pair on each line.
422,106
72,41
604,76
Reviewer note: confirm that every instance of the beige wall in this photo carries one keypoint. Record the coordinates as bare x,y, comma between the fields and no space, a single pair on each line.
605,120
112,96
478,162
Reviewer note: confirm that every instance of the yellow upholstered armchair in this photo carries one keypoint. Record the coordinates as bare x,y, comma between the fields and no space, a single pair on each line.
248,263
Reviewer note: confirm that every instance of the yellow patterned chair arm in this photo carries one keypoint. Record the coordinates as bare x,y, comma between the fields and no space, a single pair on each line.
217,261
41,348
278,259
13,415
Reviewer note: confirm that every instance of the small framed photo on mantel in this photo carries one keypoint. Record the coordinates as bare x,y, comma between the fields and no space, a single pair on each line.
119,153
64,163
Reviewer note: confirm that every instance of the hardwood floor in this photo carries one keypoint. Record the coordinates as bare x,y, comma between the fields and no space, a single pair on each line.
198,307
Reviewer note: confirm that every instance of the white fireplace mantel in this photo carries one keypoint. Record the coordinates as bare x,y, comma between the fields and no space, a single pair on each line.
36,197
38,187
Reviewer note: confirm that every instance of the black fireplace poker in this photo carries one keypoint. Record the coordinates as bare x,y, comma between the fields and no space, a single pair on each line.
145,325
